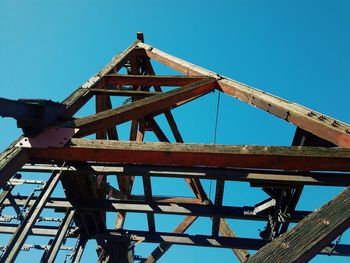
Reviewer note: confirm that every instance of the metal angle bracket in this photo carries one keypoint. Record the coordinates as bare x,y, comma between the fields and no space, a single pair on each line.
51,137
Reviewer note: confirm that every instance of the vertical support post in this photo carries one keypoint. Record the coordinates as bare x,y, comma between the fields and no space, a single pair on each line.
219,194
140,37
15,244
50,256
148,196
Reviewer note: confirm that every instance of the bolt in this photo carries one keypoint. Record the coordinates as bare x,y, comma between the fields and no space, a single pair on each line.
322,118
311,113
335,123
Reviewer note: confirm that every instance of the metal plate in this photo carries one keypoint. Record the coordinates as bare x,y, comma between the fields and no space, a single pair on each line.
51,137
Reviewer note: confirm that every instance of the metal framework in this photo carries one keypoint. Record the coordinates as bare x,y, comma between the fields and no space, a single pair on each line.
319,155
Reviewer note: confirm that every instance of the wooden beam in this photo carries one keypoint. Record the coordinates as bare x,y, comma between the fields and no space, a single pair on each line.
310,235
323,126
149,80
11,160
178,154
140,108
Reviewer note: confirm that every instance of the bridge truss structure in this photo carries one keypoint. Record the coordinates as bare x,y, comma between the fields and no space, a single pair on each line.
81,153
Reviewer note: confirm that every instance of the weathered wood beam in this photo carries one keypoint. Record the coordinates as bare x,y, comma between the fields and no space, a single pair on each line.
149,80
310,235
11,160
178,154
140,108
323,126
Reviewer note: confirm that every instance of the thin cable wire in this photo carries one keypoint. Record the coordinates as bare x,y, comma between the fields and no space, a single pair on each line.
215,132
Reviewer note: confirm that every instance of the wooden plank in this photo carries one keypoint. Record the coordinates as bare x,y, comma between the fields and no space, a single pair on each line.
140,108
149,80
178,154
319,124
11,160
310,235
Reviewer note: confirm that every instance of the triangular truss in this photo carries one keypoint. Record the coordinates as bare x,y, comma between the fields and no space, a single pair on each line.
319,156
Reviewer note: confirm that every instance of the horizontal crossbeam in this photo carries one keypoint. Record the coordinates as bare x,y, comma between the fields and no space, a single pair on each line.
120,92
178,154
268,177
149,80
161,206
176,239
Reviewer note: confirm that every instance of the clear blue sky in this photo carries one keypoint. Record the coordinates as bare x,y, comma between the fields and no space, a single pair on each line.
298,50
